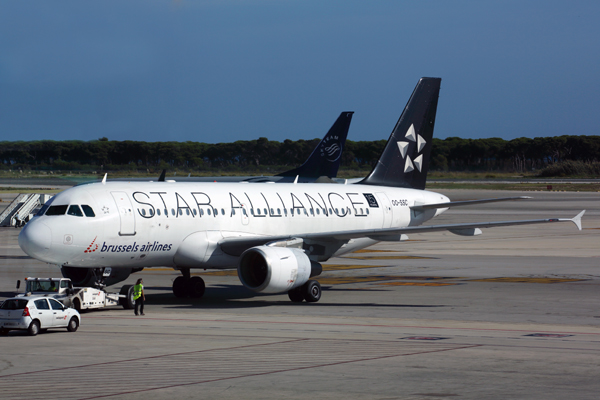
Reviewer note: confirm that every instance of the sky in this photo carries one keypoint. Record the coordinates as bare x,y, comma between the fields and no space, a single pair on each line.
225,70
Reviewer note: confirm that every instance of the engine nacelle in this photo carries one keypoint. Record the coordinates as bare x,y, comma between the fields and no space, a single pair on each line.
91,276
275,269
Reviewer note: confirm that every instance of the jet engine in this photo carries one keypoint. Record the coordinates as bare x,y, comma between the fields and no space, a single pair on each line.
275,269
95,276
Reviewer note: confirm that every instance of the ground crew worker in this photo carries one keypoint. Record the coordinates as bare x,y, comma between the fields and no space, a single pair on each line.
138,296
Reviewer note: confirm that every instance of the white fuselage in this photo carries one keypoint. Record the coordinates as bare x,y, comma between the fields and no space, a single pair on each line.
145,224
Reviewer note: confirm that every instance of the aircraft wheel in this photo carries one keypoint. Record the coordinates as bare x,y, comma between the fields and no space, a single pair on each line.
296,295
127,302
3,332
312,291
180,287
196,287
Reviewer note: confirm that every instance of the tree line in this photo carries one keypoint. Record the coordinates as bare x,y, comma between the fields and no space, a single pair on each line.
456,154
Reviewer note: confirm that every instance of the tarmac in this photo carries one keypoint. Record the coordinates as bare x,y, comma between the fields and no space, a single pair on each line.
511,314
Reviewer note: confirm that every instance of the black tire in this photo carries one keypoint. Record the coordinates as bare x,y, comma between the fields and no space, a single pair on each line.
312,291
73,324
3,332
180,287
34,328
296,295
77,305
196,287
127,302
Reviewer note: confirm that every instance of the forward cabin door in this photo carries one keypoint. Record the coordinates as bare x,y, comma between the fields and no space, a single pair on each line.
125,213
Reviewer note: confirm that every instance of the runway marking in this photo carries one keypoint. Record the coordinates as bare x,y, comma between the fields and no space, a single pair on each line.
166,371
526,280
390,258
416,284
339,267
374,251
547,335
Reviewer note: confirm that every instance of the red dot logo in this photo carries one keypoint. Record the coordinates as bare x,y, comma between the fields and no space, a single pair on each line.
92,247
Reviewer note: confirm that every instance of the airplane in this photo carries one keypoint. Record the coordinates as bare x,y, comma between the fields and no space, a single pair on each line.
276,235
322,163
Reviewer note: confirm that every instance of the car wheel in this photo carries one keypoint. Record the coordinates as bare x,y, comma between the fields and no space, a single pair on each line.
34,328
73,324
77,305
127,302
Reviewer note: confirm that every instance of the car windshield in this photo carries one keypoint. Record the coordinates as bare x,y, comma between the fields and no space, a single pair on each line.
42,286
14,304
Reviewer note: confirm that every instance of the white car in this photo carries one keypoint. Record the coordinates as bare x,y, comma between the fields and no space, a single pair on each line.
35,314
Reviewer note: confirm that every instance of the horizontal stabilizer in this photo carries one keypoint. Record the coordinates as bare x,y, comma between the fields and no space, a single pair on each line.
423,207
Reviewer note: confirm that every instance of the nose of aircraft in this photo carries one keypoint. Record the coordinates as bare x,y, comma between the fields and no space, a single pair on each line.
35,239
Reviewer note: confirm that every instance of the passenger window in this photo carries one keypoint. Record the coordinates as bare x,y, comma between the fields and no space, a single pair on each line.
55,304
87,210
158,212
180,212
201,212
258,211
330,211
195,212
318,213
143,211
367,211
222,211
42,304
233,211
266,212
272,213
244,211
172,211
57,210
278,211
75,210
208,211
252,211
187,211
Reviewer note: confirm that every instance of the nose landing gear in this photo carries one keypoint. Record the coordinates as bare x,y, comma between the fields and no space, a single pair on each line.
188,286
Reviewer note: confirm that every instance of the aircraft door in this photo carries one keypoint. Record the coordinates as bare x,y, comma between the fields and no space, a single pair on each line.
125,213
386,207
244,214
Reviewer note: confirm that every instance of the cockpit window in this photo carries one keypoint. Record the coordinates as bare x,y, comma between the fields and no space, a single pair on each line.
57,210
87,210
75,210
45,207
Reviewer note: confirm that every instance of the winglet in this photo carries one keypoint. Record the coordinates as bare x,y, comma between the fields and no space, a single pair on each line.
104,179
577,219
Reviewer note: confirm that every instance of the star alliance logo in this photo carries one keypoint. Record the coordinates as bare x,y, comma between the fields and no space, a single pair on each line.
417,162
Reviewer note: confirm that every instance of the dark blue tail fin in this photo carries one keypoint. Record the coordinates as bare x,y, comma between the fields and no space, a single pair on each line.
326,158
405,158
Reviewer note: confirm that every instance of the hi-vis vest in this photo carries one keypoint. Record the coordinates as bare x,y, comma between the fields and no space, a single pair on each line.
137,291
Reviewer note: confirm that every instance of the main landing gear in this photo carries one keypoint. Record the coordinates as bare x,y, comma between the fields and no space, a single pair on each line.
310,291
188,286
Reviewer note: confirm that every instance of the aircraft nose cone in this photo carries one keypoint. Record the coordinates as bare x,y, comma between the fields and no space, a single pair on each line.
35,239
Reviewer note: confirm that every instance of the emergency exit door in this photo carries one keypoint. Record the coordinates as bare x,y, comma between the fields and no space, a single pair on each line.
125,213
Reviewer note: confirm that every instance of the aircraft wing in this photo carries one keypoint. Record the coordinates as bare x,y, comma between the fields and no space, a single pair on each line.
235,246
465,203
